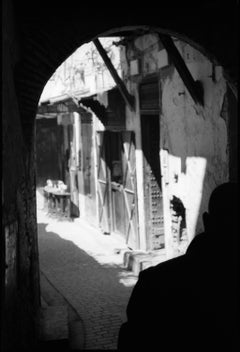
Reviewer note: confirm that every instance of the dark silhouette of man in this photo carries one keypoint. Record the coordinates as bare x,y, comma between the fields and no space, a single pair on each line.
189,303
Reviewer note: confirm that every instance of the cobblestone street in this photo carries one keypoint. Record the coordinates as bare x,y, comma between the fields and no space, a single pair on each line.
85,268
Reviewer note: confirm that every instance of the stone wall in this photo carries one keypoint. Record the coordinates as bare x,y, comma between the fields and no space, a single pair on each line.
19,259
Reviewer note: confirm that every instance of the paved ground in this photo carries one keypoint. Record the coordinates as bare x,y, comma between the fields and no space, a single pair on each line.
83,266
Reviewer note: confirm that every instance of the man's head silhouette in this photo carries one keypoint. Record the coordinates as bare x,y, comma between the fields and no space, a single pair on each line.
221,219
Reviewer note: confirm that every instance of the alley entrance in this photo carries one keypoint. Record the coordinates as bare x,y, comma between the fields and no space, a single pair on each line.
132,144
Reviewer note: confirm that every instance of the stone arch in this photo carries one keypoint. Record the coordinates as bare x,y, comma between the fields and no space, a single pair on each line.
47,41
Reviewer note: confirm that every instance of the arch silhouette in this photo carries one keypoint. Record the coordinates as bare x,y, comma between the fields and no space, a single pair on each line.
51,33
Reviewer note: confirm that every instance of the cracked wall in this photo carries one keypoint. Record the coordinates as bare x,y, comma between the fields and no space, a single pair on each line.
197,143
194,143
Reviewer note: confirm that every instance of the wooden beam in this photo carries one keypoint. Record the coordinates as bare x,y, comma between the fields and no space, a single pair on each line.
129,99
192,86
233,89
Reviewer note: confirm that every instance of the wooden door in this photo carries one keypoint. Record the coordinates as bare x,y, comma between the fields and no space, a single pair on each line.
117,204
152,181
129,188
103,182
123,198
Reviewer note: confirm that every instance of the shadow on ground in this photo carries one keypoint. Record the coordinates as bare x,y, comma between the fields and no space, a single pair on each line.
99,293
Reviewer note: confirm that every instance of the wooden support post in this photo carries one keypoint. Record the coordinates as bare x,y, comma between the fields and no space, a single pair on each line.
191,85
129,99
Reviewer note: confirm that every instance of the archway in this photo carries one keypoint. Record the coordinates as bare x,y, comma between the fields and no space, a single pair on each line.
41,40
132,29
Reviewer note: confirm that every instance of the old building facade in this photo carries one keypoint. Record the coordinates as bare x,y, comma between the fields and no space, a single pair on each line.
147,173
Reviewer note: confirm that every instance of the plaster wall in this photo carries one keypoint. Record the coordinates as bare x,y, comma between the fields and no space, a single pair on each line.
194,143
197,143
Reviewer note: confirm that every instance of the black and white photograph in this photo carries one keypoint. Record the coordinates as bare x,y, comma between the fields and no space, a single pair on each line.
119,176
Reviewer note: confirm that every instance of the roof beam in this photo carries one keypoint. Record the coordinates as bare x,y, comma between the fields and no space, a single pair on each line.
129,99
192,86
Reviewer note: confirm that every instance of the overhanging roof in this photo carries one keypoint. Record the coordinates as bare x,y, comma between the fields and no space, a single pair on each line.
68,103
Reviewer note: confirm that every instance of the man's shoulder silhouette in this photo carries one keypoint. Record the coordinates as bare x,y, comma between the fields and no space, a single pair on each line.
188,303
168,272
176,271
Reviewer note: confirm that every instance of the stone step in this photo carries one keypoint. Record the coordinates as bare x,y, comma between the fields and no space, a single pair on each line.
136,261
50,346
76,335
53,323
70,331
60,329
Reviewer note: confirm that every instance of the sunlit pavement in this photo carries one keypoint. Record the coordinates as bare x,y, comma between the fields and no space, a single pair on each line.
83,265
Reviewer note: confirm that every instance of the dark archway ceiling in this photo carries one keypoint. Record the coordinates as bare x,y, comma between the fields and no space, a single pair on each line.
49,31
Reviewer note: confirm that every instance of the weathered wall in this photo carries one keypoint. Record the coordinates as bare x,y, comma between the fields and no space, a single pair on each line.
194,146
197,143
19,267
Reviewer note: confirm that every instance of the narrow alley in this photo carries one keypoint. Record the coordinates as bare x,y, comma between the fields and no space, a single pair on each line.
86,267
119,123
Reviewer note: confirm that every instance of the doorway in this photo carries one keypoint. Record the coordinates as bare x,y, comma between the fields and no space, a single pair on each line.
150,127
117,189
